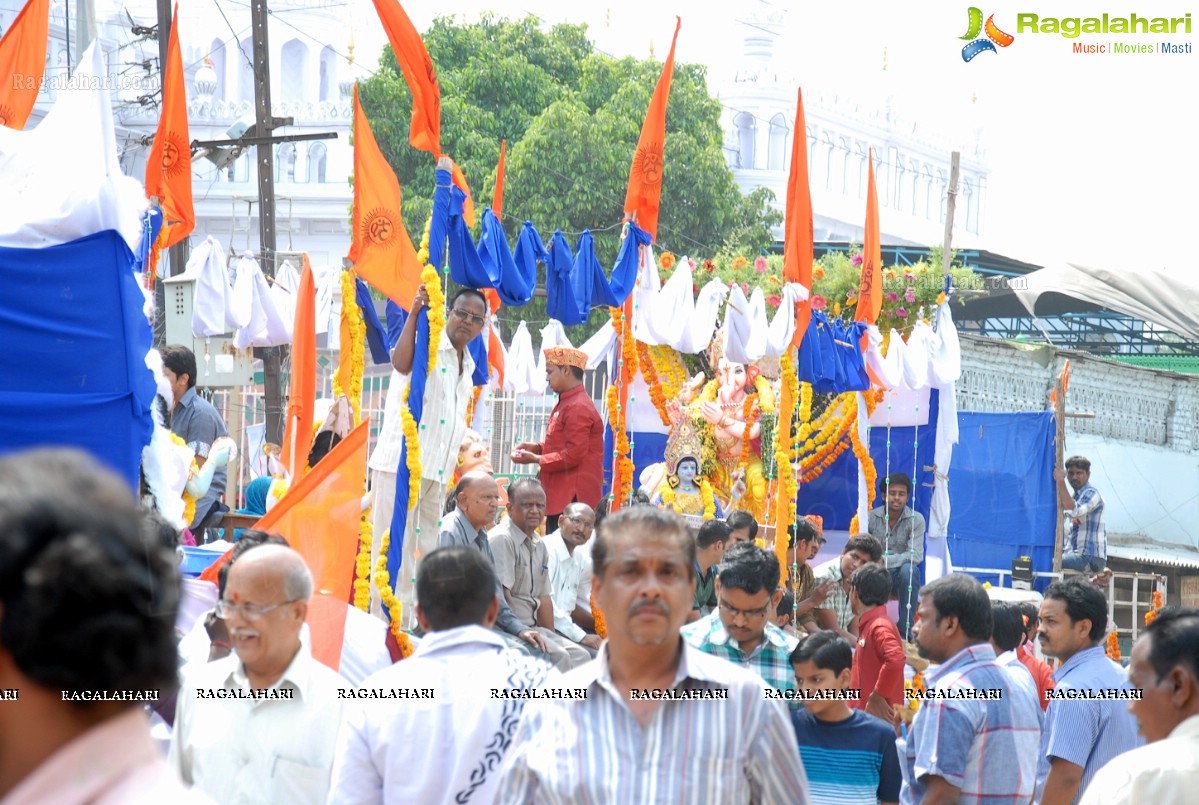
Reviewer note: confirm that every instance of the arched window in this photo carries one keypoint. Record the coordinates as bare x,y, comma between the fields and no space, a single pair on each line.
845,153
216,54
328,82
746,131
295,68
929,183
827,149
776,155
285,163
245,73
316,162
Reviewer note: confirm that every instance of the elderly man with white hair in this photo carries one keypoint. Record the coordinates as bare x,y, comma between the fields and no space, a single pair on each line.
260,725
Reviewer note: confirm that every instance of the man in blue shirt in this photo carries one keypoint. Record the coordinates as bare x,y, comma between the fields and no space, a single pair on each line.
1085,544
1082,730
848,755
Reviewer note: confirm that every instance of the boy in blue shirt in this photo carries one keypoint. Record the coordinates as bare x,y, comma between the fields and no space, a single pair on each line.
849,756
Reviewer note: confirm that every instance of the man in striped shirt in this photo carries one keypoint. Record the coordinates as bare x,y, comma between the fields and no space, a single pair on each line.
1082,733
966,708
1085,545
661,722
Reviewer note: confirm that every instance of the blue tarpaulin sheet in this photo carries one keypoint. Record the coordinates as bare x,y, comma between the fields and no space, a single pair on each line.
1002,491
72,366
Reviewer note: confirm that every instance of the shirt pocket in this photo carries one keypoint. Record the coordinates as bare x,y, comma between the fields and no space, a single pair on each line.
298,783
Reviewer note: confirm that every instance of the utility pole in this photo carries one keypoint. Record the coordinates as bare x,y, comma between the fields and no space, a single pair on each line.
950,202
272,357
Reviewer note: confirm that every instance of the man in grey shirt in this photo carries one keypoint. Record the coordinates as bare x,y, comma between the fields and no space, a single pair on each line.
473,504
195,421
900,529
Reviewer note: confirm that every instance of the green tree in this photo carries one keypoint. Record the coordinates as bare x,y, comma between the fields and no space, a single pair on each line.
571,117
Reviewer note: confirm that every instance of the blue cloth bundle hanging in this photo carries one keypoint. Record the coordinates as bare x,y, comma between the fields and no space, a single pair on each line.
561,302
851,364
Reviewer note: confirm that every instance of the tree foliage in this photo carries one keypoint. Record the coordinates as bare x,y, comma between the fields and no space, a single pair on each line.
571,116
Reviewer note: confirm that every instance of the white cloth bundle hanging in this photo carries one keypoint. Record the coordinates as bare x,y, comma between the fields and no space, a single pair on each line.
521,368
944,351
674,316
283,292
600,346
327,278
552,335
748,336
212,310
264,327
915,357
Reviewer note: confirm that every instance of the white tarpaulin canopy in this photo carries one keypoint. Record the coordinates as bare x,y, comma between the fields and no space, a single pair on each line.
1153,296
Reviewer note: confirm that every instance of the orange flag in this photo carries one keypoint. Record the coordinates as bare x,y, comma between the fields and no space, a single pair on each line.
320,513
297,437
1065,378
381,251
414,62
870,289
798,242
169,167
497,198
468,206
23,62
645,176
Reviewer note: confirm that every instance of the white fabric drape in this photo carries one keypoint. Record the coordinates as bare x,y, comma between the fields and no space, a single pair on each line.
212,310
520,371
747,335
264,326
674,316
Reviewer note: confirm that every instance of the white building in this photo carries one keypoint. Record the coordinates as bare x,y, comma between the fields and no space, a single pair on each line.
911,159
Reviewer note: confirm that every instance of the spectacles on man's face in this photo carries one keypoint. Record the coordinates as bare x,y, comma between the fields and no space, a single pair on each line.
478,321
750,614
250,612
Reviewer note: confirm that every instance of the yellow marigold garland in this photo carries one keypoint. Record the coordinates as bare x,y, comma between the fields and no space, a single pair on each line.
601,628
362,564
805,402
787,485
706,493
869,472
749,413
765,394
395,609
356,334
650,372
622,464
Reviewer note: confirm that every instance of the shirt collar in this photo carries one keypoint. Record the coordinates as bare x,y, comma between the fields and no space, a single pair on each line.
435,642
556,545
517,533
718,635
1086,655
979,652
1188,728
872,614
576,391
187,399
297,675
1081,489
693,664
472,534
1008,658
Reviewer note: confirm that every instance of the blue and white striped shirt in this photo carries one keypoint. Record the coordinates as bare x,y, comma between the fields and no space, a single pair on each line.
1086,732
739,748
1086,518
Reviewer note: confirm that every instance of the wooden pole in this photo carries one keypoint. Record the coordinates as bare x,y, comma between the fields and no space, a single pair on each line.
1059,444
951,195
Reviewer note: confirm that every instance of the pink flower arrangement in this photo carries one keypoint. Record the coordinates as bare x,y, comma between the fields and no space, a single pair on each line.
909,295
774,300
853,292
760,264
745,288
901,312
819,302
892,296
856,260
909,276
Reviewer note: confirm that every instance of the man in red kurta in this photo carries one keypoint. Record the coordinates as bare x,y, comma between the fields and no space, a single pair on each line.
572,456
879,658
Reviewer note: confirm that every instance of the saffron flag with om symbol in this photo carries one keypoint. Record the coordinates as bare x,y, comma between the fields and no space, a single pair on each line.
297,434
23,62
645,177
798,242
381,251
870,289
169,167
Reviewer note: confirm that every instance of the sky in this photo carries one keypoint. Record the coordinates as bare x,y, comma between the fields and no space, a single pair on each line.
1087,154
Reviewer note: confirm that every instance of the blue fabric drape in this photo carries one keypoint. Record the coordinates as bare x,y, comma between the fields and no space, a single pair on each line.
561,302
376,336
468,267
396,316
72,370
529,252
1002,490
817,355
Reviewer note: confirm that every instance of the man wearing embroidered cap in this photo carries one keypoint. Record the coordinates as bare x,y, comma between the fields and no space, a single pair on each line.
572,455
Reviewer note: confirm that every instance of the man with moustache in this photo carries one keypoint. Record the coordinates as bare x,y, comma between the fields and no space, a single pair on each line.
473,506
257,726
1165,668
970,742
661,721
1081,734
567,565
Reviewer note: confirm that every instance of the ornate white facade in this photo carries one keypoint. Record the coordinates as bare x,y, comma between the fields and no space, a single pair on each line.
911,162
311,81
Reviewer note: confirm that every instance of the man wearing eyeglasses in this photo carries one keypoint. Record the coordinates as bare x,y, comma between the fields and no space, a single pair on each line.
260,726
571,457
740,631
442,428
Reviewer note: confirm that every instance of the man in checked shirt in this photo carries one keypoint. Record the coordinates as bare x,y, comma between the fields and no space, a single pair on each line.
1085,545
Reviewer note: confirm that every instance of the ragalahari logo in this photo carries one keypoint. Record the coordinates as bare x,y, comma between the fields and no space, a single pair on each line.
993,37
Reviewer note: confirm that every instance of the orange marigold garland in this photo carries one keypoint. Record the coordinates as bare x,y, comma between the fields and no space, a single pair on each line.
622,463
649,371
1151,615
471,405
394,608
601,628
867,464
1113,645
787,485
